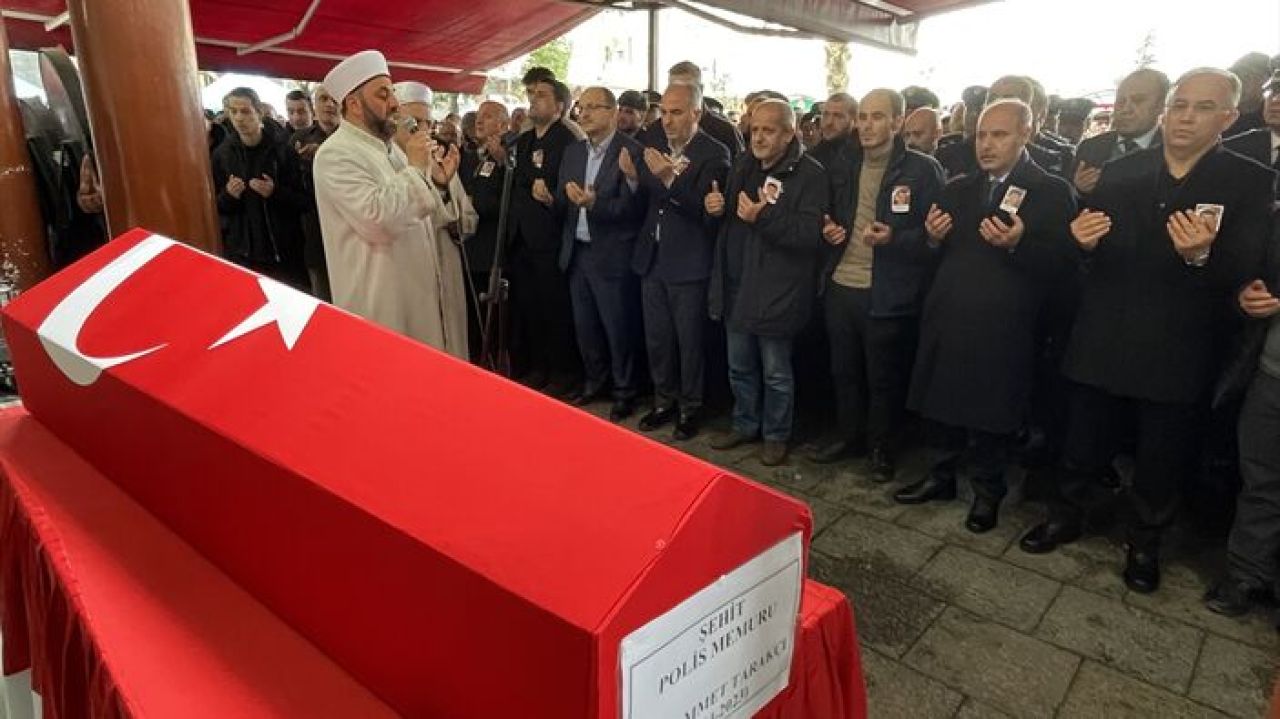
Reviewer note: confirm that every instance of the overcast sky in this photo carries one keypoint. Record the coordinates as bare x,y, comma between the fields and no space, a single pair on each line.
1081,51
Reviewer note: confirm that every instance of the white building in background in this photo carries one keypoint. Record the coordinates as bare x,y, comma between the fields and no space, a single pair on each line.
269,91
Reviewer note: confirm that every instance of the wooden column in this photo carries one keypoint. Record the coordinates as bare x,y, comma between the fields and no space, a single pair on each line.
24,257
138,66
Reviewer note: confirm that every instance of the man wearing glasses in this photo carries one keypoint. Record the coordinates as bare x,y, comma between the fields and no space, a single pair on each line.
601,211
1170,236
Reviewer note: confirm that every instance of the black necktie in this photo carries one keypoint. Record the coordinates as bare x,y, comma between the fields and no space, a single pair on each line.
1127,146
993,185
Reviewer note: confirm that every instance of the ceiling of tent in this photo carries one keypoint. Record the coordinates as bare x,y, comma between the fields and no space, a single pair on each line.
445,43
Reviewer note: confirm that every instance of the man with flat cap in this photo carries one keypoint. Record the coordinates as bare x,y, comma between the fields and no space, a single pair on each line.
378,208
632,106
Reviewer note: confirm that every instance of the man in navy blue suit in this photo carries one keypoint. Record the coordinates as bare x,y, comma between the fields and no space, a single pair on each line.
678,169
601,211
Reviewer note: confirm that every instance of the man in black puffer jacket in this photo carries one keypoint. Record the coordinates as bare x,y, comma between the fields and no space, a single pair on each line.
764,280
260,194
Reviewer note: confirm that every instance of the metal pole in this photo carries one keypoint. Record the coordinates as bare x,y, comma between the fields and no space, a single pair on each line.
653,49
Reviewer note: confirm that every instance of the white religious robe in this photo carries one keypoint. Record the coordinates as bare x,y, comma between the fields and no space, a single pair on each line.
388,260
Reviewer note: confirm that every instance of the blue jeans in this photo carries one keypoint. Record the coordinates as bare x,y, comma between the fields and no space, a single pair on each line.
764,387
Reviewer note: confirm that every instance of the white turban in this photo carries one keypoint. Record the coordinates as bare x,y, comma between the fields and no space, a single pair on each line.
412,92
353,72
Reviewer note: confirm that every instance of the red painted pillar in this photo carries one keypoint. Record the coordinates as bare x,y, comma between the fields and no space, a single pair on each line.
138,67
24,257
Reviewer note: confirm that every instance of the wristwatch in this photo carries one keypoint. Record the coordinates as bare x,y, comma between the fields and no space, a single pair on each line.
1201,259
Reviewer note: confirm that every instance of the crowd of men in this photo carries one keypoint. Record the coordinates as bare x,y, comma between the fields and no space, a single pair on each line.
1010,287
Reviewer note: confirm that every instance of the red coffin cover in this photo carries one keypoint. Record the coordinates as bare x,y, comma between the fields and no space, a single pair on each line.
462,546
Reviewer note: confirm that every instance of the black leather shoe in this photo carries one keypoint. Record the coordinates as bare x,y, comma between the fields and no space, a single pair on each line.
831,452
535,380
880,466
1142,570
686,426
1048,536
621,409
656,418
1234,597
584,397
983,515
926,490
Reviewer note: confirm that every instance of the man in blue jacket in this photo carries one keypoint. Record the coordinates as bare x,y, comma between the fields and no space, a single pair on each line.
601,211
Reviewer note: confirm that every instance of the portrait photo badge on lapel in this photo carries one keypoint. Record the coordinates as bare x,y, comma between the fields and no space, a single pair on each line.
537,158
1213,213
900,199
772,190
1013,198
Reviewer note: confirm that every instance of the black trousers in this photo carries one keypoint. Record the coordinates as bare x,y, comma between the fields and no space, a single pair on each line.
1254,544
871,361
984,456
1168,445
603,325
675,321
542,338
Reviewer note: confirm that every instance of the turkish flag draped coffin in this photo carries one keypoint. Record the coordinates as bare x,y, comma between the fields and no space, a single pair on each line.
462,546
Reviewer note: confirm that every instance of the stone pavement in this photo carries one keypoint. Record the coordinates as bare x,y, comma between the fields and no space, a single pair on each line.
954,624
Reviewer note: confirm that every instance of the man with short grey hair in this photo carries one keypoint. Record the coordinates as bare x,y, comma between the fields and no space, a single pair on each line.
1170,237
718,128
765,279
674,255
1002,234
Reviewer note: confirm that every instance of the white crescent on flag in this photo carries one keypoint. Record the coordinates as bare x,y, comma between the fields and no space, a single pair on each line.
60,332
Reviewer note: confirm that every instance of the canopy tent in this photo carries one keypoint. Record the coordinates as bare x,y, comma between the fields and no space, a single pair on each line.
447,44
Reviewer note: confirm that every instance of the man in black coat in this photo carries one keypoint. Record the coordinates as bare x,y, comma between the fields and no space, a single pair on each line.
543,332
876,274
1171,235
1263,144
1135,125
673,255
1253,546
484,185
306,142
601,212
261,197
1003,232
765,277
1052,152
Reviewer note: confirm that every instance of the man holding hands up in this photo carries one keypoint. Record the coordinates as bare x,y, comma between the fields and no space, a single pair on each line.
1169,239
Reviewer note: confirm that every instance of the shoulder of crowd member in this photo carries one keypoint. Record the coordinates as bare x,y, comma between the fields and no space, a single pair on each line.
1250,167
1244,140
920,159
1102,138
714,146
723,130
949,139
573,128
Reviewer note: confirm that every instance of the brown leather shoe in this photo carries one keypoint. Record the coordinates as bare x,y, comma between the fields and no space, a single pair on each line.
774,453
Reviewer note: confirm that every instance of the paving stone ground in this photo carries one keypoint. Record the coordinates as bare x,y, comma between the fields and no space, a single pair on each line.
955,625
